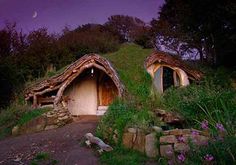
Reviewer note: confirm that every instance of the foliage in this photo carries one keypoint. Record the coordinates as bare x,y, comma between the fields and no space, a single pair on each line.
212,100
30,115
24,58
9,118
222,151
120,156
16,114
43,158
135,109
126,27
208,26
122,114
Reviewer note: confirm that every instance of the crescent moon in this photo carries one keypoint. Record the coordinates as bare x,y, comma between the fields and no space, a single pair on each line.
35,14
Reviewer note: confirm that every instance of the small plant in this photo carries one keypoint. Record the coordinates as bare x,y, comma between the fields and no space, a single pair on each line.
30,115
43,158
121,156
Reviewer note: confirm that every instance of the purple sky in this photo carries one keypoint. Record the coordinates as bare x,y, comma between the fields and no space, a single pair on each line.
55,14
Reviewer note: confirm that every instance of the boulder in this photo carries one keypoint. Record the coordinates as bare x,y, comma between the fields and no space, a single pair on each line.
139,142
151,149
49,127
132,130
15,130
157,129
181,147
167,151
127,139
34,125
170,139
169,117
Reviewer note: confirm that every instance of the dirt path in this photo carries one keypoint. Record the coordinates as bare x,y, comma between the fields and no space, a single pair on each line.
62,144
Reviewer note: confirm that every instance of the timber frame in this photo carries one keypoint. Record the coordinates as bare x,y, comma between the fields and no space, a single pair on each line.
58,83
182,73
173,62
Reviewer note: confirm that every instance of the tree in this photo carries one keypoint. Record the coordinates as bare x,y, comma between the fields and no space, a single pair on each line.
125,27
206,25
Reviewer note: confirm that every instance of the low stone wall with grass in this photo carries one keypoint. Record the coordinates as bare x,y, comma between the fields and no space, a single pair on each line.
48,120
163,143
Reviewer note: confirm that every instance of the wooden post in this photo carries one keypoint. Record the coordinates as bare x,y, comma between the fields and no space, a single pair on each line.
34,101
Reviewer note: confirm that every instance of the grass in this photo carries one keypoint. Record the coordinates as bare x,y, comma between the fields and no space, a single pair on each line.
122,156
213,100
31,115
129,62
43,158
14,115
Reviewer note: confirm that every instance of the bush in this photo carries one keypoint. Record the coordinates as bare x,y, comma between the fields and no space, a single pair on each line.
223,152
120,115
16,114
212,100
120,156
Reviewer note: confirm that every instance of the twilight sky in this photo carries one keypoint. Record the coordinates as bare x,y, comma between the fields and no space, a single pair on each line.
55,14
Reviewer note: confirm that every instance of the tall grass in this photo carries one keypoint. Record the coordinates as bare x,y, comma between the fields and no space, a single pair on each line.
213,100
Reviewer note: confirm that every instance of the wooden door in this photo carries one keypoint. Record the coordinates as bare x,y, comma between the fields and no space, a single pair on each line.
108,91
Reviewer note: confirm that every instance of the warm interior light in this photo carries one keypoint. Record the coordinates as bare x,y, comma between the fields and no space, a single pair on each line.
92,71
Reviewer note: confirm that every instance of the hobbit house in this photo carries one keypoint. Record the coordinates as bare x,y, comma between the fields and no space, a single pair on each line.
86,87
167,70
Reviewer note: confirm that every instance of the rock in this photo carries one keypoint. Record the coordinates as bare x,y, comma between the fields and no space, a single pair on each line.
34,125
157,129
51,120
197,139
116,132
132,130
186,131
139,142
50,115
127,140
167,151
200,140
49,127
98,141
168,139
115,138
169,117
176,132
15,130
151,149
61,114
63,118
181,147
166,132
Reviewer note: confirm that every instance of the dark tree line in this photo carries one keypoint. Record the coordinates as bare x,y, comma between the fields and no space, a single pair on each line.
207,26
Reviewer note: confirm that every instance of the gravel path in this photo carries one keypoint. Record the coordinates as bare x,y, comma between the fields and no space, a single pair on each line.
62,144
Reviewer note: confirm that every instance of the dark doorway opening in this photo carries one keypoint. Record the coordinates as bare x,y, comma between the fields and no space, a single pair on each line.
168,79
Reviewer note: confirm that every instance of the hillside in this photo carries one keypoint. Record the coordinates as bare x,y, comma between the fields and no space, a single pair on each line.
210,102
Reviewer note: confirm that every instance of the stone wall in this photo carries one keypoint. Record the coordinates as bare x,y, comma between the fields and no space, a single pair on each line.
163,143
49,120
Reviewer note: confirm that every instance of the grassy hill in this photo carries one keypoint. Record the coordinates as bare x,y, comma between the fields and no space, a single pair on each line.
213,100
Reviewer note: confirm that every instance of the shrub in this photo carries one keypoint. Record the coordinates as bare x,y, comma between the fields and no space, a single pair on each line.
216,152
120,156
16,114
27,116
212,100
120,115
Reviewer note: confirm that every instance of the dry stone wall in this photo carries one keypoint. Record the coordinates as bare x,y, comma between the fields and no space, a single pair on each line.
163,143
49,120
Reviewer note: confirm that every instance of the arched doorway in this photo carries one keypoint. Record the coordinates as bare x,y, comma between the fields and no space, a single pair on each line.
165,77
90,93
